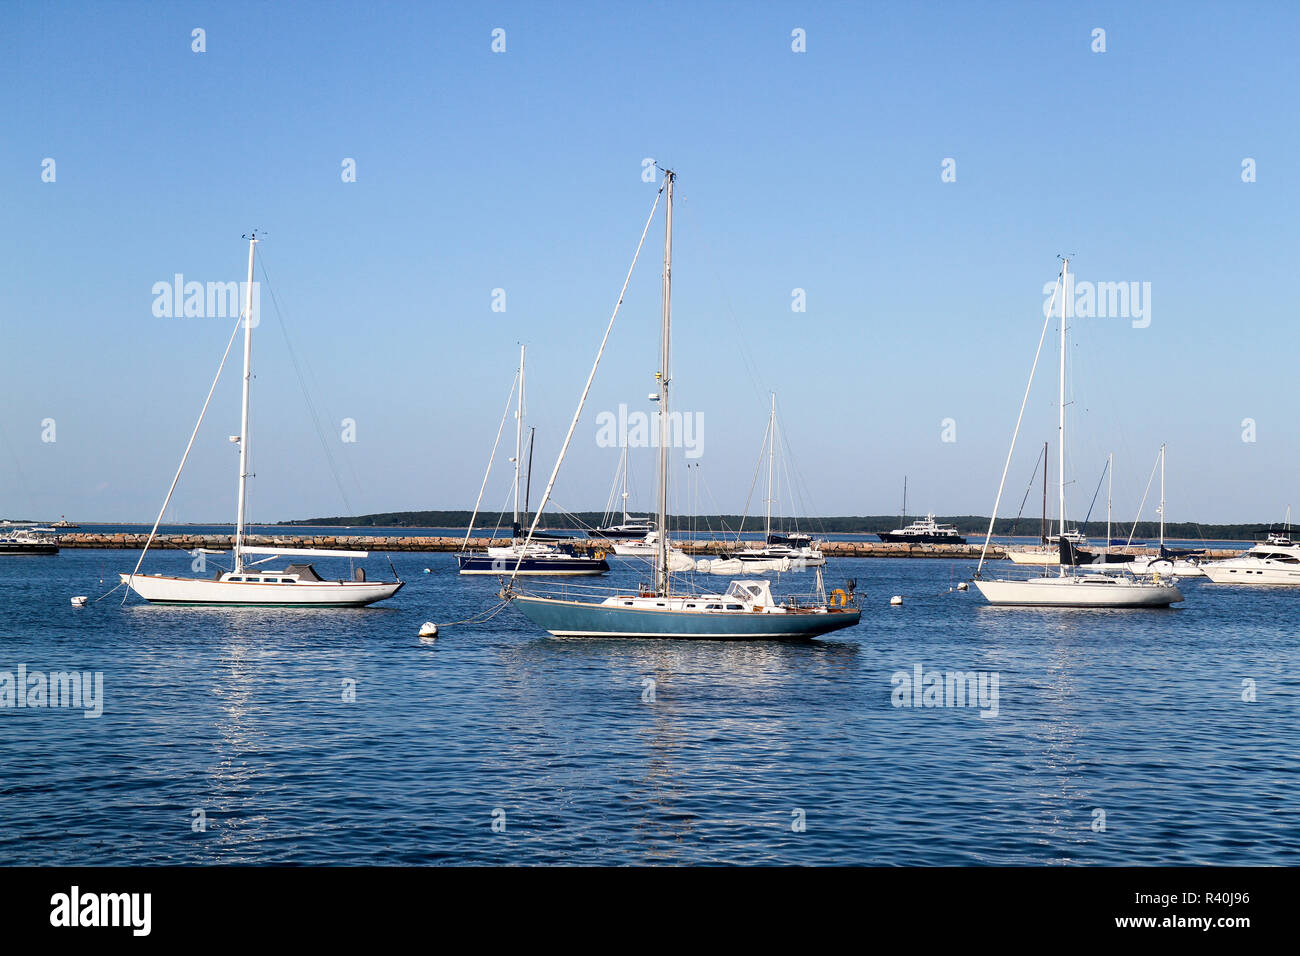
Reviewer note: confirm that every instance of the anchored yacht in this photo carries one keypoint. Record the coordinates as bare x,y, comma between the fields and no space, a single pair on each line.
924,531
29,541
1265,563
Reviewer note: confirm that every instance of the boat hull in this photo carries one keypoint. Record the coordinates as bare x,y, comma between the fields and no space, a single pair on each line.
1038,557
1253,575
1088,591
1182,569
579,619
894,537
21,549
549,566
158,589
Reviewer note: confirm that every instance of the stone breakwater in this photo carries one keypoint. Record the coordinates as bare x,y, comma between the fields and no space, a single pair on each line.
832,549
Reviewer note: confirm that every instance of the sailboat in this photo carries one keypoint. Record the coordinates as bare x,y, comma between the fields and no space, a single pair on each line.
247,584
1181,562
746,610
629,527
781,550
1071,586
532,557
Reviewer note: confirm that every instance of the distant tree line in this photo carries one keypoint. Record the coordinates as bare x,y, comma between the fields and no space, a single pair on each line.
969,525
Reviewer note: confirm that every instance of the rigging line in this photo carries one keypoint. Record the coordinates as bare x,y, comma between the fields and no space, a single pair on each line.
798,499
491,459
184,458
1143,502
606,518
1028,489
577,415
1096,493
1047,320
482,618
746,356
799,490
758,467
108,592
306,394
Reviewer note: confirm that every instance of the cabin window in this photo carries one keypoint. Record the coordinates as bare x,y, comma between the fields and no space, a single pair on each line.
713,607
734,607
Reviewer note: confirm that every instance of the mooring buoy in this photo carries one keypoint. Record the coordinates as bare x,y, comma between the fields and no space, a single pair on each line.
429,629
896,600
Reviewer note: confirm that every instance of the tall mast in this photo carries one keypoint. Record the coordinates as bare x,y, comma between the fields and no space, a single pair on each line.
1060,431
243,419
665,343
624,479
1043,531
528,483
1110,490
519,437
1162,496
771,452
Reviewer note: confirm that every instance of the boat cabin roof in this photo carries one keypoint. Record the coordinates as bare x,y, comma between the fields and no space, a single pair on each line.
754,592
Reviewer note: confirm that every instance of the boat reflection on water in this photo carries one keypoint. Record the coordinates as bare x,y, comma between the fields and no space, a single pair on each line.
676,688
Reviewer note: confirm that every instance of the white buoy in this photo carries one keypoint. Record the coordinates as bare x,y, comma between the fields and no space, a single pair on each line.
427,571
429,629
896,600
80,600
963,586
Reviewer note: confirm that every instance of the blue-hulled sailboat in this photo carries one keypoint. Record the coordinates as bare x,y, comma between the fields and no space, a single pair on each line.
747,610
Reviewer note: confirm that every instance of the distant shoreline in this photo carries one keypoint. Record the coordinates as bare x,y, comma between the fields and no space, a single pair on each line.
973,527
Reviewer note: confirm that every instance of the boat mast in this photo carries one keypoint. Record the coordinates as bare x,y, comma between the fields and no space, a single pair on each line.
771,452
625,479
519,439
1110,490
665,342
1060,478
1042,534
528,483
1162,496
902,519
243,420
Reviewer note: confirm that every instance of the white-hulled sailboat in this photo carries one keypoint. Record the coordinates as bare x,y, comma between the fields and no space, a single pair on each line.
1071,586
246,584
1167,561
747,610
780,550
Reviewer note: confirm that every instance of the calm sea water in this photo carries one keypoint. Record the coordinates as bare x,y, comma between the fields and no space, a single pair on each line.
241,714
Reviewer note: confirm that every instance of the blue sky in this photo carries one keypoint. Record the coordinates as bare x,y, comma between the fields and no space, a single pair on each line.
522,171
